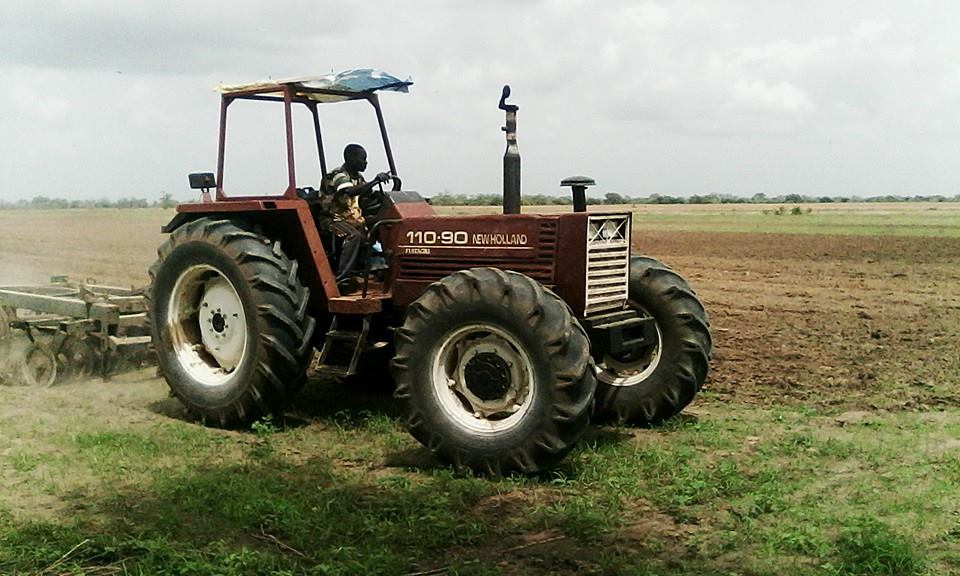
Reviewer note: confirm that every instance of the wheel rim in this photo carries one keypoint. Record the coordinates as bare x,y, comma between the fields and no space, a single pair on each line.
629,370
207,325
481,377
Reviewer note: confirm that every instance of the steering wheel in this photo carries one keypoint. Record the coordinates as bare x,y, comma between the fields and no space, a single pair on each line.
396,183
308,193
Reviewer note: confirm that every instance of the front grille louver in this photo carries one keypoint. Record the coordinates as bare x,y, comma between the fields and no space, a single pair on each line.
608,262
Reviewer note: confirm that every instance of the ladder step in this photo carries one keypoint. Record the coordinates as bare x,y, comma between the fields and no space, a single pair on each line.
622,324
345,335
345,356
335,371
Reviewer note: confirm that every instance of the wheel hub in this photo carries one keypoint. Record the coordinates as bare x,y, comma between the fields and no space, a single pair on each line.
487,375
220,318
482,379
207,325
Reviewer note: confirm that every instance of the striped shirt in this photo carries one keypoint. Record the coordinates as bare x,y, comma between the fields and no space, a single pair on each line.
344,207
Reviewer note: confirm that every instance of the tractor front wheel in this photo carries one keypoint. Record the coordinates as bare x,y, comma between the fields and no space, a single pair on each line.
494,372
656,382
228,320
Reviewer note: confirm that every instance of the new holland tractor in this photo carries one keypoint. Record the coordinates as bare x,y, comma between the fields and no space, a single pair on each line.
508,333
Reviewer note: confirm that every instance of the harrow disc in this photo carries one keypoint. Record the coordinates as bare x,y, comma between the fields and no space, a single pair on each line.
38,367
6,316
75,359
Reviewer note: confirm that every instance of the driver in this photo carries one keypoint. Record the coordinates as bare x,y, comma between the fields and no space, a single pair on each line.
344,185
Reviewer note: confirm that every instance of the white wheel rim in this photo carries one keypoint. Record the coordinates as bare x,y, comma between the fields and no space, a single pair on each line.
207,325
618,373
485,407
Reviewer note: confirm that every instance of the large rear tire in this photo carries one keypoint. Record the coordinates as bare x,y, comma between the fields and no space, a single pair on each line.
494,372
228,318
657,382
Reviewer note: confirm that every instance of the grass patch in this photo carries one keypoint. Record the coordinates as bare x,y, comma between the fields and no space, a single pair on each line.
868,547
741,490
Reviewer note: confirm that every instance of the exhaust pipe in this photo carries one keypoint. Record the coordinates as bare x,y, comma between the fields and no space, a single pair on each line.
578,186
511,157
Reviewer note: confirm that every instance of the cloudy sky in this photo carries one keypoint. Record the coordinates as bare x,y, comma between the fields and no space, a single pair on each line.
105,98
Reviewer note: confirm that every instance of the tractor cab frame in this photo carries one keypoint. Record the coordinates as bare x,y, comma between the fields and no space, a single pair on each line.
291,212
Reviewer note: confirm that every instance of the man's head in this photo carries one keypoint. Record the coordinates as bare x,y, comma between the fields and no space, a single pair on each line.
355,158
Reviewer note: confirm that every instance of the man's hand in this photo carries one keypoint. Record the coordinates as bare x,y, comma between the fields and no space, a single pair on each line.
383,177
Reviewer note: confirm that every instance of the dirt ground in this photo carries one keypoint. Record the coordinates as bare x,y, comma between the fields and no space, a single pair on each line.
825,320
847,320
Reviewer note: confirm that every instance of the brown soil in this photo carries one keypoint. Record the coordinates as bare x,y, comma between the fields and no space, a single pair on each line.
824,319
849,320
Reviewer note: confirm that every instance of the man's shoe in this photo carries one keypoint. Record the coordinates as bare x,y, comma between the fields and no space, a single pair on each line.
348,284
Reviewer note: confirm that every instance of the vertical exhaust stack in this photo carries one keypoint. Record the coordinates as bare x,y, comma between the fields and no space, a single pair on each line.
511,157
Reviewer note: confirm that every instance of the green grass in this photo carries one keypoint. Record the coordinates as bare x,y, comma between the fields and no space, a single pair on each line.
739,491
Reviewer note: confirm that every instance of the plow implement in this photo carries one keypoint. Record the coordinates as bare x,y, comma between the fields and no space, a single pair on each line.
65,331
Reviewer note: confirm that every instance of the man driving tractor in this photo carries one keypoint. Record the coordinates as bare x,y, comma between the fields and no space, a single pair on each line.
343,187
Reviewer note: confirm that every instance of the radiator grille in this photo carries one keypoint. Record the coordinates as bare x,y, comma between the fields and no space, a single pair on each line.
608,262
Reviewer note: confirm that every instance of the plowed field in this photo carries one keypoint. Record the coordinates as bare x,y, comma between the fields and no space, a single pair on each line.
858,320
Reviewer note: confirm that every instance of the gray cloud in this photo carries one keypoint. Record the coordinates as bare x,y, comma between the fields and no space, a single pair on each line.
675,97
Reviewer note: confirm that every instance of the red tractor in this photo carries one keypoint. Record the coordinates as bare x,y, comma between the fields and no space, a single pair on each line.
508,333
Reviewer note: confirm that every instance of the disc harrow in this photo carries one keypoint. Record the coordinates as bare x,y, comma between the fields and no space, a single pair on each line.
66,331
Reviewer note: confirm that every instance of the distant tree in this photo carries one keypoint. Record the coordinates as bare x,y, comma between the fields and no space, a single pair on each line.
614,198
166,201
668,200
705,199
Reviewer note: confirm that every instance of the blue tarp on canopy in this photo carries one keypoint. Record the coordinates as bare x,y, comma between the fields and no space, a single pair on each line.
356,81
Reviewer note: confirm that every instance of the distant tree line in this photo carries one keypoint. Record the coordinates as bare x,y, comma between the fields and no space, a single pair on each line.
46,203
166,200
447,199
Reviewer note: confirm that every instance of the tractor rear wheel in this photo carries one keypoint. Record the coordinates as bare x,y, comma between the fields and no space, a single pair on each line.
494,372
657,382
228,319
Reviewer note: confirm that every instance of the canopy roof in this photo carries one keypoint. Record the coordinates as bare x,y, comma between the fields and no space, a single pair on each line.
335,87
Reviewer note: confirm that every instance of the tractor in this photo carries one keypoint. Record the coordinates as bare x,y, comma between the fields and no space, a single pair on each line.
505,334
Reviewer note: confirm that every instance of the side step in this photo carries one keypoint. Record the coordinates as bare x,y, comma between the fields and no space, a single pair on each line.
341,349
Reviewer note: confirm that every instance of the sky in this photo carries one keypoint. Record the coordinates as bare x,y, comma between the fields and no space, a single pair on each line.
111,99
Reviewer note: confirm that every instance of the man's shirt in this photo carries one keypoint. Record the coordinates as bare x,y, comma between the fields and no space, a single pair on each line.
343,207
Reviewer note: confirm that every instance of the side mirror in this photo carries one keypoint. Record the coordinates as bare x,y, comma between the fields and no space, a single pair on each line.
202,180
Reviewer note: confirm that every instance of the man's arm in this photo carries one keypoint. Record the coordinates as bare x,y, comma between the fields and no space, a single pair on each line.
343,185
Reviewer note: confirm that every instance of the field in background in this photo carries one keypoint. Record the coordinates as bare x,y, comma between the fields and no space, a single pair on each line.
941,219
827,440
